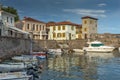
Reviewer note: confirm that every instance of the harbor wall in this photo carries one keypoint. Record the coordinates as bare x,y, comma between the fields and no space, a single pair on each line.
13,46
39,45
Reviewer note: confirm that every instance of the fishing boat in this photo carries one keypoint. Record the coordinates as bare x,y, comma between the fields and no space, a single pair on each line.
97,46
15,76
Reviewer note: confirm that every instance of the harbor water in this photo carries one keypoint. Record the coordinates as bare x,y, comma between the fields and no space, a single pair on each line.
91,66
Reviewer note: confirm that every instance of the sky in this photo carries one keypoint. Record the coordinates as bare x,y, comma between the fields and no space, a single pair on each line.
107,11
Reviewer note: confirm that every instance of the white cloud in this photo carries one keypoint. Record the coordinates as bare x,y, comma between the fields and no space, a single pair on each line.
102,4
87,12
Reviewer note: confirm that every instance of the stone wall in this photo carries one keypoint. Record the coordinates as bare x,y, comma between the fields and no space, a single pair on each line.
13,46
53,44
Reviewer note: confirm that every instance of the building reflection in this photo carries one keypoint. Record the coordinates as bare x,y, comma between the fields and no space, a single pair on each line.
82,67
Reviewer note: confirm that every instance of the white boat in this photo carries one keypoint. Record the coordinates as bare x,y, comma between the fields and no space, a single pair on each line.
15,76
97,46
13,66
78,50
55,51
24,58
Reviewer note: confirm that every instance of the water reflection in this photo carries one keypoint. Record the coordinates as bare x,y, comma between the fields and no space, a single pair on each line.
78,67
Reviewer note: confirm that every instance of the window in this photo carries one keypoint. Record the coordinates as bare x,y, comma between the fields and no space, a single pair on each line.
54,35
59,28
85,29
59,35
7,19
72,27
54,28
36,27
85,22
40,27
43,27
28,26
63,27
33,26
63,34
11,20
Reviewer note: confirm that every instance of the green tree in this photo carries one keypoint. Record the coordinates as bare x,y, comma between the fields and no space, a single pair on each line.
12,11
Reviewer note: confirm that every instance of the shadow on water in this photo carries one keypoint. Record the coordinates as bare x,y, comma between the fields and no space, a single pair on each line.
92,66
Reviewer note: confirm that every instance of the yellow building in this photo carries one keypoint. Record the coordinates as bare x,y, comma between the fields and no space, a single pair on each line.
79,32
64,30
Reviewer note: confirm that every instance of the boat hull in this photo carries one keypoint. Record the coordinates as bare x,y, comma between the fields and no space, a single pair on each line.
15,76
40,55
102,50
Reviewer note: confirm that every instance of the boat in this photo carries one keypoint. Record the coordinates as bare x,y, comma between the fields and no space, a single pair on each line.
97,46
12,66
15,76
40,55
24,58
78,50
55,50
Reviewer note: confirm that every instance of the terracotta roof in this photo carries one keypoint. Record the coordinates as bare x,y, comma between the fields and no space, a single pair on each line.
31,19
51,23
66,23
89,17
62,23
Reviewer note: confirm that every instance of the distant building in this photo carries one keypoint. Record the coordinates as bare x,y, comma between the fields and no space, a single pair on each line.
7,27
65,30
89,26
36,28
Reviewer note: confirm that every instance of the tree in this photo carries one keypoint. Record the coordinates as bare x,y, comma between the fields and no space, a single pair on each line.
12,11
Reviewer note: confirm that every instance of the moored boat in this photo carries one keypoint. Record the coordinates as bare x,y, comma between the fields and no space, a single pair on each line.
15,76
24,58
12,66
40,55
97,46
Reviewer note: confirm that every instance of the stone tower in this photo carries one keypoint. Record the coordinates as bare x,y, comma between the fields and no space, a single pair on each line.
89,26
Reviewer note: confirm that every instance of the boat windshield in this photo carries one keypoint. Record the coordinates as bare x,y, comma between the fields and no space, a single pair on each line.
96,45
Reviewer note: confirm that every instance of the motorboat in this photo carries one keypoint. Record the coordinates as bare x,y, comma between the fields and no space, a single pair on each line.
97,46
15,76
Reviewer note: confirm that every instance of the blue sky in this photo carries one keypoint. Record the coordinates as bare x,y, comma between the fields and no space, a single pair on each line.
107,11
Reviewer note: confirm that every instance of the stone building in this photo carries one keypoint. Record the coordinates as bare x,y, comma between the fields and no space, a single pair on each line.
89,26
36,28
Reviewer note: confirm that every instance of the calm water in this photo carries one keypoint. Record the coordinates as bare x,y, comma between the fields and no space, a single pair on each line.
93,66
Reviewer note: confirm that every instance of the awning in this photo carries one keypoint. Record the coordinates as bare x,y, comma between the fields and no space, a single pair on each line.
19,30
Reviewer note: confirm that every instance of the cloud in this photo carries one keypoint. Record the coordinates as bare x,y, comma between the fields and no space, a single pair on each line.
88,12
102,4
